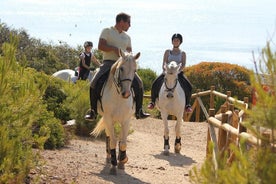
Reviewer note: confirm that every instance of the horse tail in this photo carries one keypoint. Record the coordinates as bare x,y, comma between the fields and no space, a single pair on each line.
99,128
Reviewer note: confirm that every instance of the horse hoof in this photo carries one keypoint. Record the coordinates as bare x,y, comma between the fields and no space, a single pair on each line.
113,170
108,160
166,152
177,148
121,166
124,160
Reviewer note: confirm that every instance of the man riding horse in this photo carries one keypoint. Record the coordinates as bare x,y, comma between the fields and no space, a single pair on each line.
111,41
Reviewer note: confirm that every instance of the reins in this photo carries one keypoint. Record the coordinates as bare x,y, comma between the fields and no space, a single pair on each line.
170,89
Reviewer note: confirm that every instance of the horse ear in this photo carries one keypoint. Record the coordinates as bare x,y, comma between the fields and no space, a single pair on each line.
179,65
137,55
166,66
121,52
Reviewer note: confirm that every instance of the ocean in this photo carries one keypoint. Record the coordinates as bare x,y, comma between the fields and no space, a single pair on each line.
213,30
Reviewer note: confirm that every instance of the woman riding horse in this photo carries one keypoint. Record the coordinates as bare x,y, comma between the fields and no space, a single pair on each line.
180,57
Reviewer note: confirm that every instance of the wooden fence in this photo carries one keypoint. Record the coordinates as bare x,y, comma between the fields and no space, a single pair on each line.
224,126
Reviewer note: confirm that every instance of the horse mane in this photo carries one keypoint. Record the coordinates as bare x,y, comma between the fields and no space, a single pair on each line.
114,66
122,59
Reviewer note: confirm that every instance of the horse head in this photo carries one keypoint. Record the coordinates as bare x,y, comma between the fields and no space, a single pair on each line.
171,72
172,68
124,71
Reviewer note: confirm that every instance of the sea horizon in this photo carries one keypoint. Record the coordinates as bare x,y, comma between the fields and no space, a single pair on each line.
213,31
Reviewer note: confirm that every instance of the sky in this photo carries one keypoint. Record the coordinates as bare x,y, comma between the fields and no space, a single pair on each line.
213,30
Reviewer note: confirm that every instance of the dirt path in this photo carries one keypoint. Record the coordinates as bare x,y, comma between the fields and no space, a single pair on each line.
83,160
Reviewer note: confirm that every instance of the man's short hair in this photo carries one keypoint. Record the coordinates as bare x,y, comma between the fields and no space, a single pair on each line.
122,16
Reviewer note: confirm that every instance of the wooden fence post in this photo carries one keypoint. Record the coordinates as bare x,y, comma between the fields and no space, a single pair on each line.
212,98
241,127
197,108
211,114
228,93
233,137
235,124
222,134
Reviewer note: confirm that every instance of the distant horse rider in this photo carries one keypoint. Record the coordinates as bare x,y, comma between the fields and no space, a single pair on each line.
85,60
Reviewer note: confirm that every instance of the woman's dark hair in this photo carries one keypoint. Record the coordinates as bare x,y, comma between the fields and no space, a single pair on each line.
177,35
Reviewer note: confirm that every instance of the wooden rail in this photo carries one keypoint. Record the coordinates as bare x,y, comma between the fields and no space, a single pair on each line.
224,126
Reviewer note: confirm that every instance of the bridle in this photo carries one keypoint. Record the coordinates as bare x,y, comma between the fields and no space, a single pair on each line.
118,81
170,89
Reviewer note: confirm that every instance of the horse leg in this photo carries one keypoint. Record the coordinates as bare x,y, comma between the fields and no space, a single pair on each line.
177,143
113,170
113,157
108,153
122,157
166,133
110,131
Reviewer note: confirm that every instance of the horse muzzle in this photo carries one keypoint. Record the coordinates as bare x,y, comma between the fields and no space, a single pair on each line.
126,94
170,95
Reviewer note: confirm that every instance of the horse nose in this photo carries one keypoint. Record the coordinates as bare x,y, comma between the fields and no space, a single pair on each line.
170,95
126,94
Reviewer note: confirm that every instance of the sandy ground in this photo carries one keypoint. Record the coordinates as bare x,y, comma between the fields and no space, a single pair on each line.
83,160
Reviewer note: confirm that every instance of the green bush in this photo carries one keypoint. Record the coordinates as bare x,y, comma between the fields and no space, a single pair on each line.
25,121
78,102
147,76
19,107
54,97
224,76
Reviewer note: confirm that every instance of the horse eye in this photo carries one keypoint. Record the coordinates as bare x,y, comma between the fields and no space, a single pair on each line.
121,69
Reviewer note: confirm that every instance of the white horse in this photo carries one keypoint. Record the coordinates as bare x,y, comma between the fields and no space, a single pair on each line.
117,106
171,102
70,75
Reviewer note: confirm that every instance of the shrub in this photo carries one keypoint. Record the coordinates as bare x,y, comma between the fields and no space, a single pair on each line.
54,97
78,102
147,76
224,76
25,121
19,107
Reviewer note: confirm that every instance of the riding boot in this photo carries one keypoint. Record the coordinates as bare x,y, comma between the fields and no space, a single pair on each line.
140,114
93,102
187,87
155,89
188,96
